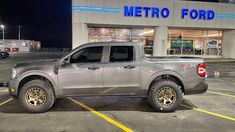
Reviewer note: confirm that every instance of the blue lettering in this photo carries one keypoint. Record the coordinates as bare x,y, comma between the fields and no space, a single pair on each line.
155,12
138,11
128,11
210,15
198,14
202,15
193,14
165,12
184,13
146,9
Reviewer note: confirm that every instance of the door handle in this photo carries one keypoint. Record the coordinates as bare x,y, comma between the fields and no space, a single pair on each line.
93,68
129,67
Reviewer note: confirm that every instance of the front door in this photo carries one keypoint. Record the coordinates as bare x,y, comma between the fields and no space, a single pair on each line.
83,75
121,75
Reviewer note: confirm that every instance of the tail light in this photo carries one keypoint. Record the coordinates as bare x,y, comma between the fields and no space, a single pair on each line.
201,70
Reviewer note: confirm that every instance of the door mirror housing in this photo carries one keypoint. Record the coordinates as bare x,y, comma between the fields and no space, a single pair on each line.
65,62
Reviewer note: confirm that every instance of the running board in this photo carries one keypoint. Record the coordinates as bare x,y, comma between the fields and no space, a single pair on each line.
133,95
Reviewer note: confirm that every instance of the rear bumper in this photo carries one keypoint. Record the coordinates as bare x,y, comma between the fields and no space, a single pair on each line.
200,88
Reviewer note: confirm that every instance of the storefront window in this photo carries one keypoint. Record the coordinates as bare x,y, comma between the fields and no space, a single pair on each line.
142,36
108,34
194,42
180,41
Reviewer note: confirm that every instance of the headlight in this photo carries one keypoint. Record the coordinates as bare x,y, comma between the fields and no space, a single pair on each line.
13,73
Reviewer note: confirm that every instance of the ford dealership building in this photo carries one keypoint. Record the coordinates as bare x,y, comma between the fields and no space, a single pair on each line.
163,27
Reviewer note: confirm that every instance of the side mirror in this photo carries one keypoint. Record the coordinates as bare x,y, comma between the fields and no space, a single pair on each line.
65,62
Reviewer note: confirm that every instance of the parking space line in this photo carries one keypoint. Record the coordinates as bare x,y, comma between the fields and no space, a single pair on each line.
107,90
210,113
6,101
124,128
222,94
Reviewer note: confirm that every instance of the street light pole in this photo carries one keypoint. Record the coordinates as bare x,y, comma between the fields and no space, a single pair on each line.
3,36
19,27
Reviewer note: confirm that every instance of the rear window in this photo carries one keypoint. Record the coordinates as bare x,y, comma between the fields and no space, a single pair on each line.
121,53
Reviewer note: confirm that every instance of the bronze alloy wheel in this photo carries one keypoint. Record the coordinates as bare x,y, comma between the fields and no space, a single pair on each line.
35,97
166,96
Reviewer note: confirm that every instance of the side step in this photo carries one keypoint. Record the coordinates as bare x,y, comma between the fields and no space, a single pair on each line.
100,95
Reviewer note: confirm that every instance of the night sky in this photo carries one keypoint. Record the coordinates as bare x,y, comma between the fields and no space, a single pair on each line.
49,21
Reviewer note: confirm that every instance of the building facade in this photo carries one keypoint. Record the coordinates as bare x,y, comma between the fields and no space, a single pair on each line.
11,45
164,27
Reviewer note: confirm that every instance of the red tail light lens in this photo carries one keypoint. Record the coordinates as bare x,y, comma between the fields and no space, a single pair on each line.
202,70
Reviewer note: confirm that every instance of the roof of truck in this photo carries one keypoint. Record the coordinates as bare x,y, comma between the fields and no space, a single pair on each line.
109,43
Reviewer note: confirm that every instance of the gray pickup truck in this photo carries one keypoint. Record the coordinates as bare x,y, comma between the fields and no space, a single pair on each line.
108,69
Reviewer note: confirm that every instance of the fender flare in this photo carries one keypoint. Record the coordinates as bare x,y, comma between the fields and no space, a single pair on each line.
38,73
164,72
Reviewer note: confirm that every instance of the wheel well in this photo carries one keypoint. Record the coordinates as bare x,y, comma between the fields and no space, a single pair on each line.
169,77
30,78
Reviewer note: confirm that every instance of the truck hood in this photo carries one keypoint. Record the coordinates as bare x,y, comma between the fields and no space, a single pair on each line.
39,63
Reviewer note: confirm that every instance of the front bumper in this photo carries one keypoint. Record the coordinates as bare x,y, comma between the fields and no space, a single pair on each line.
200,88
12,88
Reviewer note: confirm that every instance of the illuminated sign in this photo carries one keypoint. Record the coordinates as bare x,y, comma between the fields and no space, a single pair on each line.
186,44
139,11
155,12
198,14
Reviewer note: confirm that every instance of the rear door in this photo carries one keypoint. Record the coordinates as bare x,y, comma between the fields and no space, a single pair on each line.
121,74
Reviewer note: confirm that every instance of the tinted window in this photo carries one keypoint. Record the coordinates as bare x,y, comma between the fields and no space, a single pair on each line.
121,53
90,54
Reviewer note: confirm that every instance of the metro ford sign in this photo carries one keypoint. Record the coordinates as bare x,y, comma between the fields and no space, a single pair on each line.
155,12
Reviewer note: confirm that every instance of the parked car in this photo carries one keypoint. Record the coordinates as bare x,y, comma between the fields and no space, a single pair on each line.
95,67
4,54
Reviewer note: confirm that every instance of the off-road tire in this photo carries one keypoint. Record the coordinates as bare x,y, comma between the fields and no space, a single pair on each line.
154,89
47,89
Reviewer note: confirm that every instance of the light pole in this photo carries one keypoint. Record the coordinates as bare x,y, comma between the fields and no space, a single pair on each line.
3,37
19,33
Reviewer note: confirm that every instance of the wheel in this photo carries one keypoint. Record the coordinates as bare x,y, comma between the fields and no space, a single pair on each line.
37,96
165,96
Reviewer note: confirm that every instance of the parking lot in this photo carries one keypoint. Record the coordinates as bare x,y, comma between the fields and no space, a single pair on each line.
213,111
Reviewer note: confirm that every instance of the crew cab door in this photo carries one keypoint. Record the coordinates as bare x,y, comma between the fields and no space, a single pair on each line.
121,74
83,73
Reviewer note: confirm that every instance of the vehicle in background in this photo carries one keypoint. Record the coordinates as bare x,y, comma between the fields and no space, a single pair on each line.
117,68
4,54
